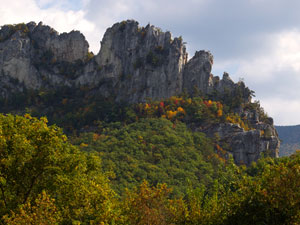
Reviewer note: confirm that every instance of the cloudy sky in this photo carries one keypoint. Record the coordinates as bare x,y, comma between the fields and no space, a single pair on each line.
254,40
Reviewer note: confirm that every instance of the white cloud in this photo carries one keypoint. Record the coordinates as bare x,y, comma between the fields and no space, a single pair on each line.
284,110
61,20
103,14
275,76
289,49
283,57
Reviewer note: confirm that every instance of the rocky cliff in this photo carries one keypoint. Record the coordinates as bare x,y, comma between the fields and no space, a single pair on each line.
247,146
134,63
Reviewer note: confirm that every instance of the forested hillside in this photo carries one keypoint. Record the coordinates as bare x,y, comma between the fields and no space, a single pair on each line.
290,139
47,180
155,141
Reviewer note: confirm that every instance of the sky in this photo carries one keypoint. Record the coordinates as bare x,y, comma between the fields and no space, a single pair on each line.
257,41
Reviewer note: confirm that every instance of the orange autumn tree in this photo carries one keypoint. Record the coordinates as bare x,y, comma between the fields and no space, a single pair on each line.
179,108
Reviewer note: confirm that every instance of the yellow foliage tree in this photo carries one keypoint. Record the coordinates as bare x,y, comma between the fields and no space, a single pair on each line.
151,205
43,212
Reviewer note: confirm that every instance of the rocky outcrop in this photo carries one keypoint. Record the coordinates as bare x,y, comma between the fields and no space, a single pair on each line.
134,63
15,60
246,146
67,47
141,63
37,56
197,77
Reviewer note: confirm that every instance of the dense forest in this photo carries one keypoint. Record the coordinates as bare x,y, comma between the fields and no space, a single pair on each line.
134,164
47,180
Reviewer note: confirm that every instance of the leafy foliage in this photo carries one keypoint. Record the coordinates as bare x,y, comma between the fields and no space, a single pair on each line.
36,158
68,108
31,153
153,168
153,149
46,180
43,212
79,110
149,205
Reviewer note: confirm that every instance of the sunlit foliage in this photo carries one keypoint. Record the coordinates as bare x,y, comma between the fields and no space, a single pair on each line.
35,157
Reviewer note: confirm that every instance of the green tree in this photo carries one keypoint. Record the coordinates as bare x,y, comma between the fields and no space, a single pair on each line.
36,157
31,156
156,150
270,197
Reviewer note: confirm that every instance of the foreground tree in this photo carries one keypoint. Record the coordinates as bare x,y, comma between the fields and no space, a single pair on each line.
31,156
152,205
270,197
36,157
42,212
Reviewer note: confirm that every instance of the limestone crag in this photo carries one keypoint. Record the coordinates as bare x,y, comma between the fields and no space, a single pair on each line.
134,63
15,61
246,146
197,77
141,63
36,55
197,73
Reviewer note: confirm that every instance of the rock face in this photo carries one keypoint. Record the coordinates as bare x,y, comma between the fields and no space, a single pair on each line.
36,56
247,146
134,64
141,63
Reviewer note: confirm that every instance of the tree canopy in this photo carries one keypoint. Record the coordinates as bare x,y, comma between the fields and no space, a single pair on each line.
36,158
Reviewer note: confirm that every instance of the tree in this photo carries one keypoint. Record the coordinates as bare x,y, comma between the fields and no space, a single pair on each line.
31,156
152,205
43,212
36,157
270,197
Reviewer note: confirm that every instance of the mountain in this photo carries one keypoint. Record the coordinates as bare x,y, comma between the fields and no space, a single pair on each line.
53,74
149,134
290,137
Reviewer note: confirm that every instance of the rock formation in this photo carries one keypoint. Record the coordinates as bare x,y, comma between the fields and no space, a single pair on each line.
247,146
134,64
